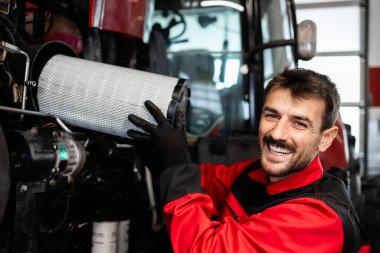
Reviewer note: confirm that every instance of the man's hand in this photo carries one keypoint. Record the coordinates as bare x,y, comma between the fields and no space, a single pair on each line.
168,142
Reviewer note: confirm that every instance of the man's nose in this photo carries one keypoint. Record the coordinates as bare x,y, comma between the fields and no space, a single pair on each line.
280,130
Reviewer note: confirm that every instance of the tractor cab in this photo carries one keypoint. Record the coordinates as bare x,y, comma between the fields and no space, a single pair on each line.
228,51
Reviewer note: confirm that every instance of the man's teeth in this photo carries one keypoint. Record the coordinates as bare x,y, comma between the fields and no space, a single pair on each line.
279,150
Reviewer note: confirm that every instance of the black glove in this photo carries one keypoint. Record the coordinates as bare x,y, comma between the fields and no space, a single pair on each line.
168,142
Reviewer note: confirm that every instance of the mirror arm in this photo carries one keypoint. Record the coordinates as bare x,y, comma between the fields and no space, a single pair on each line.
273,44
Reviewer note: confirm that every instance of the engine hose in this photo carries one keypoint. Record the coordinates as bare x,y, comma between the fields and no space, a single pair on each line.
5,177
9,29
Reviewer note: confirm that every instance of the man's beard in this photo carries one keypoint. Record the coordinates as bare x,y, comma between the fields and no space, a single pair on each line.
294,165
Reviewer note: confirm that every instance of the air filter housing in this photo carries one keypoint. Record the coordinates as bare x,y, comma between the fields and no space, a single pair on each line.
100,96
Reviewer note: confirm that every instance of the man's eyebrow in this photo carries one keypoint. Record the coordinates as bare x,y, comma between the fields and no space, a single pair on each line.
268,108
297,117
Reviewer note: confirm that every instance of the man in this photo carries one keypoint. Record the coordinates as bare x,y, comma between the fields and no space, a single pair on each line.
282,202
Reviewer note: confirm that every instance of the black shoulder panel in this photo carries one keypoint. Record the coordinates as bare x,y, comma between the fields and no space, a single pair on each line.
333,192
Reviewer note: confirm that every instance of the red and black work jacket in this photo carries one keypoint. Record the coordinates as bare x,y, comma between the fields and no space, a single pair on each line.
218,208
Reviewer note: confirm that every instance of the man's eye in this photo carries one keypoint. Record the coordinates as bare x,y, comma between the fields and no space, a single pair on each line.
270,116
300,124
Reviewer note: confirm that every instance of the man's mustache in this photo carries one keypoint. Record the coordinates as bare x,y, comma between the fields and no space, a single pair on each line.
278,143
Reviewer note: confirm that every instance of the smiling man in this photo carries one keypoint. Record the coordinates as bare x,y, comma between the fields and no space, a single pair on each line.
281,202
295,125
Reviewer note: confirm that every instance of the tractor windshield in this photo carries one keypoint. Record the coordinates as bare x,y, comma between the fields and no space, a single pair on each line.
209,46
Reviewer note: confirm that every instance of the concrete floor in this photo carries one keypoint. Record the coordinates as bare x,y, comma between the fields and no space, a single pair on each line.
370,217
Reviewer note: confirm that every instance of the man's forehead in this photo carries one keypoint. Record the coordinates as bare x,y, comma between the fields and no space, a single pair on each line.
281,101
285,92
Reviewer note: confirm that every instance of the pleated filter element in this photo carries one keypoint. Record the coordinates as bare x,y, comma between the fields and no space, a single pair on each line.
100,96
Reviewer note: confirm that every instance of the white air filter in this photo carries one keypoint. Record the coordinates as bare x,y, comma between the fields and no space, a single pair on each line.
100,96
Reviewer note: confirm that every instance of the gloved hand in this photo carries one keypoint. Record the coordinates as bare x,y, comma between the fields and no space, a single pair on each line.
168,142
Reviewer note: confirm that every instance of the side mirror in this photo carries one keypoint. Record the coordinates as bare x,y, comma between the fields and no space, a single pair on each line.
307,40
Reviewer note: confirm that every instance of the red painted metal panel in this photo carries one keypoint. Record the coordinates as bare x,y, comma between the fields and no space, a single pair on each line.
127,17
374,85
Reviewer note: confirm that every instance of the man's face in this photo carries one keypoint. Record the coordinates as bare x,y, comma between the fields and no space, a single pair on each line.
289,133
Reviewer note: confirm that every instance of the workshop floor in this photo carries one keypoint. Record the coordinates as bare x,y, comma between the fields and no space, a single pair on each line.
370,217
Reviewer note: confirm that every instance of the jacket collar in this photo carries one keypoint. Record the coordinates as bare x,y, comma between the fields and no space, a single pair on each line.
310,174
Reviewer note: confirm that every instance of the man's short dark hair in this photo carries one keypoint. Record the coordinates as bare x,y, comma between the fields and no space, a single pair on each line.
305,84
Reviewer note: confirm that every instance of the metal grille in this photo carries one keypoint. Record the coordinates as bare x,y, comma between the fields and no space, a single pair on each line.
100,96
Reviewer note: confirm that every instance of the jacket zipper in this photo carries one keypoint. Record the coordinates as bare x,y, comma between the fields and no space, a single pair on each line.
236,217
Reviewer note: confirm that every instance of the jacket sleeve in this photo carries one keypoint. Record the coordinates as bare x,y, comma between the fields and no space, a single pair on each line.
216,180
300,225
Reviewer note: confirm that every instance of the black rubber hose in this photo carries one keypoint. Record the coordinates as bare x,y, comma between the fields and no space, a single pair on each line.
7,26
5,177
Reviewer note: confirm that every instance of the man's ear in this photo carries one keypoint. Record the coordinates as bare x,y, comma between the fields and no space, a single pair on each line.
327,138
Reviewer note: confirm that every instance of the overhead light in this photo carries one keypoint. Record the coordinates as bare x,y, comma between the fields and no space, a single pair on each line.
235,6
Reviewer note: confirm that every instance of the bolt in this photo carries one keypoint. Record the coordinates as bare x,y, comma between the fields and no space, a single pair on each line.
31,83
52,182
56,134
23,188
